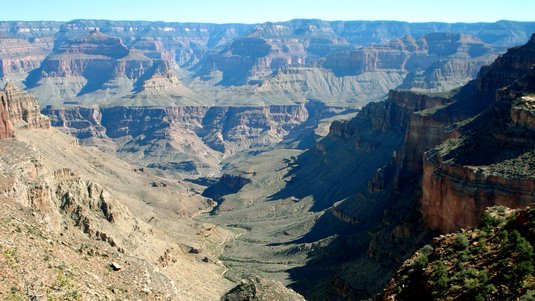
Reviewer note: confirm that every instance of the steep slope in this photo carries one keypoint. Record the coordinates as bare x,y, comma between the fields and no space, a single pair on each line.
494,262
91,61
437,61
19,110
416,188
492,162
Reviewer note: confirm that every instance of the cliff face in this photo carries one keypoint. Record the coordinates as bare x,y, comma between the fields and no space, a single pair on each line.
436,61
23,108
492,164
18,109
361,187
6,127
98,58
18,57
426,62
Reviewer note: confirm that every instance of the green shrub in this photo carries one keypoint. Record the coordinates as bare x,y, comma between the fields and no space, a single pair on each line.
421,262
461,242
487,221
440,277
529,296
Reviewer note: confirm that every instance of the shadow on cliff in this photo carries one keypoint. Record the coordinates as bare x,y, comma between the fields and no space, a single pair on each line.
304,135
95,76
342,163
369,243
356,263
33,78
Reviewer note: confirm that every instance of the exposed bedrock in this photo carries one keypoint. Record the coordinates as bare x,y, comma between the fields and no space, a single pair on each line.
19,109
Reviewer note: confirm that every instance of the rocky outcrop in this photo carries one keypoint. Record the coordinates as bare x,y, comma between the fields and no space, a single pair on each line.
187,134
522,112
472,264
492,164
80,122
6,127
61,196
24,111
436,61
55,206
18,109
257,289
18,57
455,196
483,167
87,203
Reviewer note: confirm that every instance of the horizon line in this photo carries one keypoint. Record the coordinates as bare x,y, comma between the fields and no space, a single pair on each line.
265,22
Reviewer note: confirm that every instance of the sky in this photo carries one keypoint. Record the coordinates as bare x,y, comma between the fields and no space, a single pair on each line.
256,11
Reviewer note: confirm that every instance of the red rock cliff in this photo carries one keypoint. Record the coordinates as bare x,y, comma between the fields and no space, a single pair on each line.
6,127
492,163
19,109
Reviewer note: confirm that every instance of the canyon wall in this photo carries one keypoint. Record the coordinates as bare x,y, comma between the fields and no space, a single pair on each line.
19,109
190,137
455,154
492,164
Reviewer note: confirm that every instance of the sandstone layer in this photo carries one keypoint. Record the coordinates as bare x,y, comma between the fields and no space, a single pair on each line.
19,110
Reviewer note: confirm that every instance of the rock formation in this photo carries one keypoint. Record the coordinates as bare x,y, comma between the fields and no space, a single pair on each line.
19,110
431,65
18,57
256,289
6,127
495,178
196,134
88,240
23,109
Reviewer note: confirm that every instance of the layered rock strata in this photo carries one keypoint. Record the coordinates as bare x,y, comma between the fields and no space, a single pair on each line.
19,109
198,133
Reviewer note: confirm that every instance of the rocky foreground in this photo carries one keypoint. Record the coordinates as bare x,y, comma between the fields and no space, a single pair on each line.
493,262
79,224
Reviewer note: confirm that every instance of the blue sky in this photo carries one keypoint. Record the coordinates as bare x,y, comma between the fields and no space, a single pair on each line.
254,11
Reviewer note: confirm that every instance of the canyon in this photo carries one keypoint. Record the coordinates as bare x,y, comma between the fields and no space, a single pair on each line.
168,161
